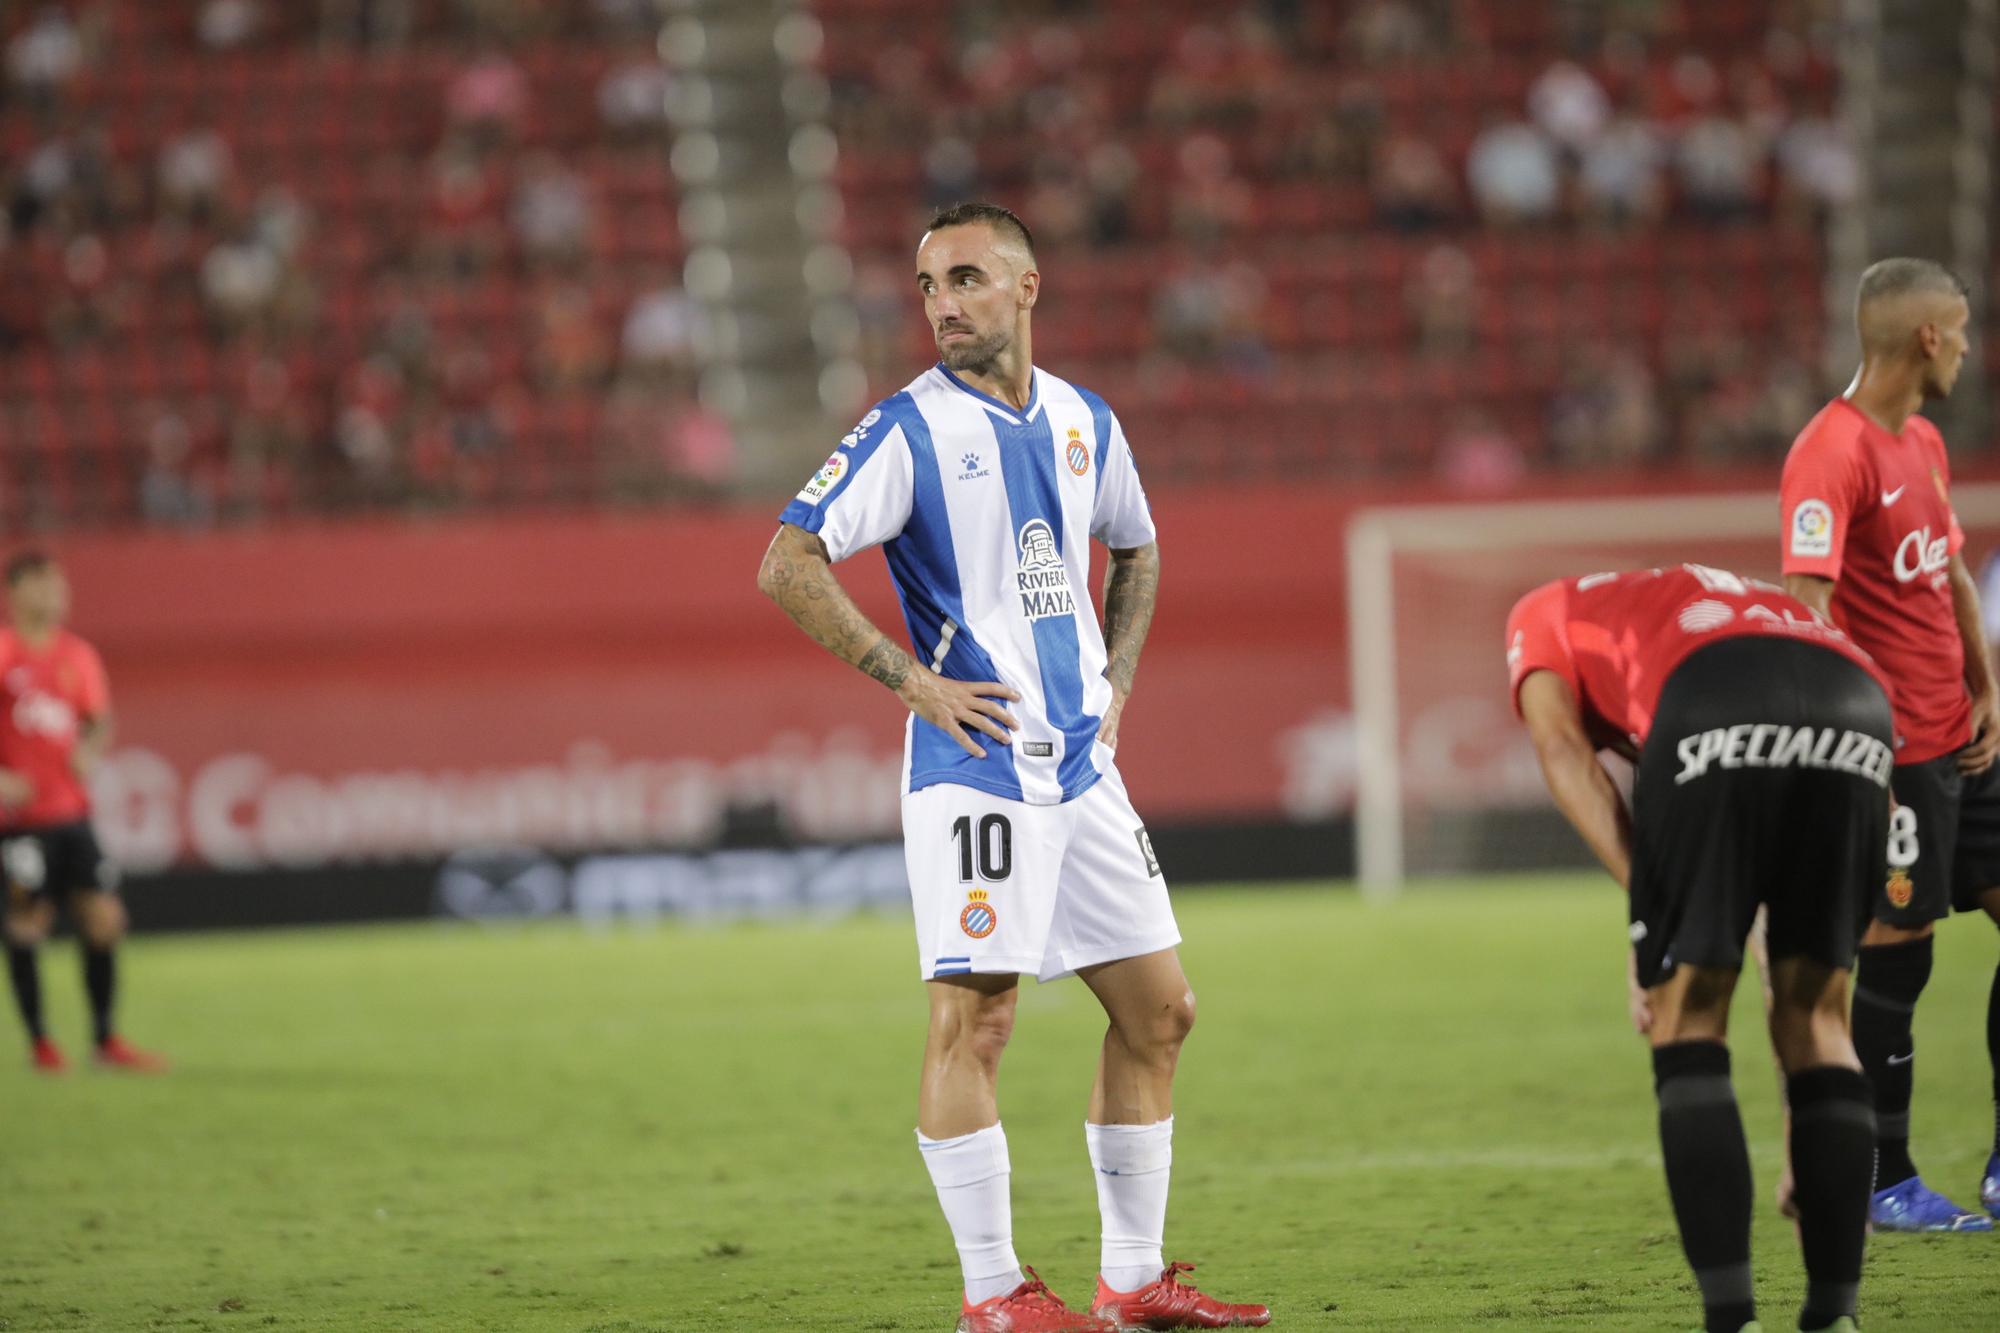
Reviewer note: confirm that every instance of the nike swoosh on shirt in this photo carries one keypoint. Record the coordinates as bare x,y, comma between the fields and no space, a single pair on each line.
1903,1059
1890,497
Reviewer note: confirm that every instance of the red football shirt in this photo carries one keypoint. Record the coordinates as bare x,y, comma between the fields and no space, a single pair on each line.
46,695
1617,637
1871,511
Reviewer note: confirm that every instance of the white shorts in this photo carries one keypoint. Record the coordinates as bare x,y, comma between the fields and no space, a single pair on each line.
1004,886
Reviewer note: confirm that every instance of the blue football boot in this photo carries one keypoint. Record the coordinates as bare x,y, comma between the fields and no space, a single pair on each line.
1914,1206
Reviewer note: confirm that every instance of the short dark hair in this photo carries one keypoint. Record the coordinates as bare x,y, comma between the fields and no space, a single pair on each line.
23,563
999,218
1897,277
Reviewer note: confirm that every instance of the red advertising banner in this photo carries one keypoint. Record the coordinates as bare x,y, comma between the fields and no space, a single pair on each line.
322,696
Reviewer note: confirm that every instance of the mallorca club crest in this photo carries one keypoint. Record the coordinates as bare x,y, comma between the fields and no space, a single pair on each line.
1043,578
1900,890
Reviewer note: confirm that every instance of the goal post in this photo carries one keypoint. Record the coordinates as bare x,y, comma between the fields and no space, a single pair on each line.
1428,591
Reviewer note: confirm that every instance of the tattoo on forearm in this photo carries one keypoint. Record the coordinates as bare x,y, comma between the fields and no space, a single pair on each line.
807,592
1131,586
887,663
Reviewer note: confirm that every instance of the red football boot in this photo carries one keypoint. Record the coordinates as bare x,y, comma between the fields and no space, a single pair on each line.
1171,1303
47,1057
1029,1308
116,1053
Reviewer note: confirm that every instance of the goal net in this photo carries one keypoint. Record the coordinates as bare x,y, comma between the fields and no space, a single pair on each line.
1446,780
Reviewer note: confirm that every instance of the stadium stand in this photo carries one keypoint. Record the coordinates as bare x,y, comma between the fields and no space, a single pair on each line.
263,258
1381,235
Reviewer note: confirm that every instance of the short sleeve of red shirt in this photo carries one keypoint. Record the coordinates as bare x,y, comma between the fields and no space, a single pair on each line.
1822,485
1538,638
93,687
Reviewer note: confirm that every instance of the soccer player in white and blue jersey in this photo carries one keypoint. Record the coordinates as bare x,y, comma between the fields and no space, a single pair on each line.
984,481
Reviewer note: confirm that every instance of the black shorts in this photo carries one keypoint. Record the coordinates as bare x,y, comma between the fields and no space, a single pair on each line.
1944,842
1763,781
55,861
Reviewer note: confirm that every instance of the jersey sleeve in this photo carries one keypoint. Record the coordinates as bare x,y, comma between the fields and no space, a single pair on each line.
861,495
1820,490
93,686
1120,517
1538,639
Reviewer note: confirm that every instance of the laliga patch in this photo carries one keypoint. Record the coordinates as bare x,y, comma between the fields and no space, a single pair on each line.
1812,529
1146,850
978,919
829,475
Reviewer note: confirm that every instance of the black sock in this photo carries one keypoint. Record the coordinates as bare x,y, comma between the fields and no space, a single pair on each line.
100,978
1708,1175
26,974
1887,981
1833,1168
1993,1052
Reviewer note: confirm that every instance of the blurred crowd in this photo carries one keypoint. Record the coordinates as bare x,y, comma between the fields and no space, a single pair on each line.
447,345
1226,138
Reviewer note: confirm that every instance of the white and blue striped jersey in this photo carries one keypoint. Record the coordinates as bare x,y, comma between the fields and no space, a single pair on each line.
985,514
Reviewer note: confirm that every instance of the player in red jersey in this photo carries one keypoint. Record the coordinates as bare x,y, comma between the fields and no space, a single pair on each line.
55,722
1762,742
1870,539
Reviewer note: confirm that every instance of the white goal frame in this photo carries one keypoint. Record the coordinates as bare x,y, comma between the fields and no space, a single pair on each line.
1376,536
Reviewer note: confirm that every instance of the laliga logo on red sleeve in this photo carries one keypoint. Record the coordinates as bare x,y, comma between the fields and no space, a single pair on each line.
1918,554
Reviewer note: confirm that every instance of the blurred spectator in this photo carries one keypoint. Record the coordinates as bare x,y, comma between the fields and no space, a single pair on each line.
488,99
1413,189
1198,85
1605,413
632,98
1110,174
382,24
1210,311
462,231
1337,142
552,214
240,279
45,55
1514,174
1209,199
659,328
1478,457
659,443
1719,168
1381,32
364,431
1620,182
1569,106
572,349
1818,167
629,17
223,25
194,171
170,493
267,438
1443,299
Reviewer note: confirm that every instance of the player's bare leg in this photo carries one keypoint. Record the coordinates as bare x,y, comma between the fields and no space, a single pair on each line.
1989,1185
1701,1139
27,925
1831,1142
965,1151
100,926
1130,1130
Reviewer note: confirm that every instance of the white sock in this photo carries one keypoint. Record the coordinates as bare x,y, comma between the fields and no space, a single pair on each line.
971,1174
1132,1165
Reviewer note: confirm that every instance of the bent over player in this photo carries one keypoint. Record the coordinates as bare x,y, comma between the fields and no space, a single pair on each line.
55,722
984,481
1870,539
1763,747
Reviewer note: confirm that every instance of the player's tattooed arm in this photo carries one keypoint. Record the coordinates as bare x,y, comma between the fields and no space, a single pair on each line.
1131,587
1814,591
797,574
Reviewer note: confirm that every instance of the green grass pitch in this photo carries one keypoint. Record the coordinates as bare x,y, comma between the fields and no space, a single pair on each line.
1428,1114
